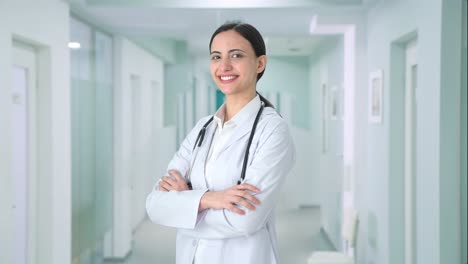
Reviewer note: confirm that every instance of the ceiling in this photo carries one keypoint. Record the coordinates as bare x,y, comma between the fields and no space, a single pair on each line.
283,23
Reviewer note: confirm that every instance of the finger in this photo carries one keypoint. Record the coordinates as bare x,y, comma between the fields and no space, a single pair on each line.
177,175
235,209
182,186
163,189
166,186
163,184
248,196
174,172
169,180
246,186
245,203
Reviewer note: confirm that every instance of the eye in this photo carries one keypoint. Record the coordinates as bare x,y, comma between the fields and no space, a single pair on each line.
236,55
215,57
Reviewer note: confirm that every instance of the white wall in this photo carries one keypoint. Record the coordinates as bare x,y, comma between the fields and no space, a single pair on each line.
388,23
20,20
136,172
302,187
327,68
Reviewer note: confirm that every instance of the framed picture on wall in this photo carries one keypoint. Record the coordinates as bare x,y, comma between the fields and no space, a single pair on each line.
375,102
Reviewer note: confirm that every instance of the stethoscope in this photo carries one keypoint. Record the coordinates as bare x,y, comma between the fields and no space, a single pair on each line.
201,136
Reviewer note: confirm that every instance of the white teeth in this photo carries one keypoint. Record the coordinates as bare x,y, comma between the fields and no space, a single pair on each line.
227,78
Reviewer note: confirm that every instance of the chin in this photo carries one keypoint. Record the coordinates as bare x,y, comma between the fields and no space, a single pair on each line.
227,90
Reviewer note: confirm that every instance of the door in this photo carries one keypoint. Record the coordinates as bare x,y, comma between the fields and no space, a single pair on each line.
411,73
23,91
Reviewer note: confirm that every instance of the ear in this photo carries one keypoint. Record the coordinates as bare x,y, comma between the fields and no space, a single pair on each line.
261,63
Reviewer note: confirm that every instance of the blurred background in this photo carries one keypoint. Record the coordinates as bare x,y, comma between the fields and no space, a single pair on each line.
97,95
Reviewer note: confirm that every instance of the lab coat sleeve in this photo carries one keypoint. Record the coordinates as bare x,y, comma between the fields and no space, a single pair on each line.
177,209
272,162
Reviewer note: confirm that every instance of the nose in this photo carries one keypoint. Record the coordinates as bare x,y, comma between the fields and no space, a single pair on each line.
225,64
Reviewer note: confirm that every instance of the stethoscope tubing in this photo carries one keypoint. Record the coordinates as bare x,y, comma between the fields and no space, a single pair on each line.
201,136
252,133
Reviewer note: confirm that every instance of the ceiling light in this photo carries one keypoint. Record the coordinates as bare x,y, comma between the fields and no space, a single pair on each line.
74,45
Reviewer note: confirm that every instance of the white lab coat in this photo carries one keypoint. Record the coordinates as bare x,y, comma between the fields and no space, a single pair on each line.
238,239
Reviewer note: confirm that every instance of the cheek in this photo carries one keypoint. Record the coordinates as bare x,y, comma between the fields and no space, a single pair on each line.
213,70
251,70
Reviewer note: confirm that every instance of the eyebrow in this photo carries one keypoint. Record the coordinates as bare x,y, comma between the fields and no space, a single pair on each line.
230,51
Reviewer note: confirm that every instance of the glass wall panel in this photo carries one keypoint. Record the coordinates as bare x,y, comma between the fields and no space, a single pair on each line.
92,138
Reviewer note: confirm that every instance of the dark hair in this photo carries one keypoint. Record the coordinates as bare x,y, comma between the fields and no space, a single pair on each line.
251,34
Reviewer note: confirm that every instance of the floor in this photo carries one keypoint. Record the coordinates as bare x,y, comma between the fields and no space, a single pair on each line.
298,234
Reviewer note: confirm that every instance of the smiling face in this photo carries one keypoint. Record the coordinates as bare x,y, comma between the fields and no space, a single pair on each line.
234,65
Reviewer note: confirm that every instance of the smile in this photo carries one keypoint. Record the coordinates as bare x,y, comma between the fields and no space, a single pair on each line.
227,77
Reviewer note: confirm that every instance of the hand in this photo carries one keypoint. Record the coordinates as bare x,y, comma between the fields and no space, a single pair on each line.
175,183
231,198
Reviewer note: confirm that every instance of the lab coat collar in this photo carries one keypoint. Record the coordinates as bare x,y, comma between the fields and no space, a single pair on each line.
244,120
249,109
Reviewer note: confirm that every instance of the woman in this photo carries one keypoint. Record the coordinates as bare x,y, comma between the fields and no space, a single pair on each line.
223,217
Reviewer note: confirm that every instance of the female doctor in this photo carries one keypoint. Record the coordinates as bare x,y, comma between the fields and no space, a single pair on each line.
223,183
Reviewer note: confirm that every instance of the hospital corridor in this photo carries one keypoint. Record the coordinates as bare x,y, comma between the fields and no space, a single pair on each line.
97,96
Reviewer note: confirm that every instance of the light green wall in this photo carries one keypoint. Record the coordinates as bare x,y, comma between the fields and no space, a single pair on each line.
166,49
450,83
289,75
396,159
436,120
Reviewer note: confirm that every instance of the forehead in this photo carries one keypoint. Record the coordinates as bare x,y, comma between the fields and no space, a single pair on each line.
230,39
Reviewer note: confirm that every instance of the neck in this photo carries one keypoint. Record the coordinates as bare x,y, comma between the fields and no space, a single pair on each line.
234,103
